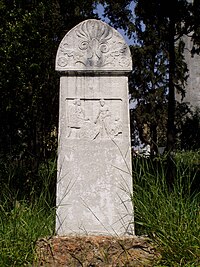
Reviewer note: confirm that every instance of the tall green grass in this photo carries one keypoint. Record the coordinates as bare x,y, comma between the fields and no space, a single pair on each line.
24,220
20,228
170,218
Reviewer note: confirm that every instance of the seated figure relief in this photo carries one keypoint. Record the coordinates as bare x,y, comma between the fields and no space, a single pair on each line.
103,127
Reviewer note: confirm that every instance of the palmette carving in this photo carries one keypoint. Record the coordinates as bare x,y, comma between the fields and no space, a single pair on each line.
93,44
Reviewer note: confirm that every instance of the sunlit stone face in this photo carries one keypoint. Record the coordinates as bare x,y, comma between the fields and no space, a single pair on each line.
94,183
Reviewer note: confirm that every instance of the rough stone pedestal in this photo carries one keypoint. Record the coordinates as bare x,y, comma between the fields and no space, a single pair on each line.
94,183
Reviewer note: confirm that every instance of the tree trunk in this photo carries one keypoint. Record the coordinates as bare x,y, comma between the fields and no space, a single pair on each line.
154,139
171,133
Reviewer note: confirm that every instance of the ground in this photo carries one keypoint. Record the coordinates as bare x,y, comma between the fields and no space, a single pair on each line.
95,251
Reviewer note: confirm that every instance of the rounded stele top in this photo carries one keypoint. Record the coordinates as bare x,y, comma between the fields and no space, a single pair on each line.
93,45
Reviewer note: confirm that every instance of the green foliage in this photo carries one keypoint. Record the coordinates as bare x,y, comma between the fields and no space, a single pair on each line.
148,88
28,79
170,218
20,228
188,166
159,67
30,34
190,131
18,183
119,14
26,220
189,158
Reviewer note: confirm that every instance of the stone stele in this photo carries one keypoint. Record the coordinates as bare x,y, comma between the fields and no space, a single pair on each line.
94,183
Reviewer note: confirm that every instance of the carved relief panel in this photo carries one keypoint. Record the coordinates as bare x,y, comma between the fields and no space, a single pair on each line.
93,119
94,166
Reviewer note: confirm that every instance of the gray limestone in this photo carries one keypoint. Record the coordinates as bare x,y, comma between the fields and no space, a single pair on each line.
94,183
192,92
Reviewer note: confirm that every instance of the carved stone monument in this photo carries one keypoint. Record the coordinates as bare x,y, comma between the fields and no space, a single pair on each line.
94,183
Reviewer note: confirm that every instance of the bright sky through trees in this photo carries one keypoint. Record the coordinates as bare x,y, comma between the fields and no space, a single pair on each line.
100,10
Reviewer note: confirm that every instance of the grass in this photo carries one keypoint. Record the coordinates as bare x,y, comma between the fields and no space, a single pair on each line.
170,219
20,228
24,221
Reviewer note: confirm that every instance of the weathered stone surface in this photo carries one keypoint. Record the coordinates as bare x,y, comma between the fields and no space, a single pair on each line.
94,167
99,251
93,45
192,92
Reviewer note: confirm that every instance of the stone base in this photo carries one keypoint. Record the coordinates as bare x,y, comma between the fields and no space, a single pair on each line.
95,251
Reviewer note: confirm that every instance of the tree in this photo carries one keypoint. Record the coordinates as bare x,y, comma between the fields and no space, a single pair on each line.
169,25
148,86
159,60
30,33
190,131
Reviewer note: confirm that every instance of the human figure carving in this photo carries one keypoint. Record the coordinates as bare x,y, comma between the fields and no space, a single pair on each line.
103,119
116,129
76,119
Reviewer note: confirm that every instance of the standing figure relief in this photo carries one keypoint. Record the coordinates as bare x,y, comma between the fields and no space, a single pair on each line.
102,127
75,119
103,119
